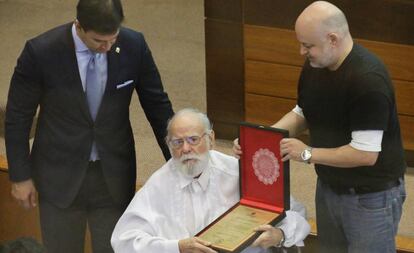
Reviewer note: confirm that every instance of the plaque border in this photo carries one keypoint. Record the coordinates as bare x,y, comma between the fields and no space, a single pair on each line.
286,199
247,242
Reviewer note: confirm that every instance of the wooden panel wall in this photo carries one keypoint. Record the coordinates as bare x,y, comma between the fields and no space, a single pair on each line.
224,66
272,68
15,222
271,75
377,20
261,65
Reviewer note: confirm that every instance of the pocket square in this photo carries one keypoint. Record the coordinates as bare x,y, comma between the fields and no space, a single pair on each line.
119,86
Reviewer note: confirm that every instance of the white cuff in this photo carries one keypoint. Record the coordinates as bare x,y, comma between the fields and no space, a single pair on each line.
367,140
298,111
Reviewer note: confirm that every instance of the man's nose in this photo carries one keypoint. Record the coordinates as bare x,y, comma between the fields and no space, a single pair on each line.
186,147
303,50
107,46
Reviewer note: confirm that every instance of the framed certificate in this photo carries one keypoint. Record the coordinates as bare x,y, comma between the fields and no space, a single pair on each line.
264,190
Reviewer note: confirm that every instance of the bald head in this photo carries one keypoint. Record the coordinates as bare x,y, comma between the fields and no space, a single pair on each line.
324,17
323,33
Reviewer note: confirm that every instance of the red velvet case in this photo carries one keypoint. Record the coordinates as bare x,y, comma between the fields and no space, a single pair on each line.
264,180
262,170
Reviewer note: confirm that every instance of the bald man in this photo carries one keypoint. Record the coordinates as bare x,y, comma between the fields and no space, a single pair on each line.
346,101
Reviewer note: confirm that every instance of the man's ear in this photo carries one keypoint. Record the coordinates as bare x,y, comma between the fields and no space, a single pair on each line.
77,25
212,139
333,39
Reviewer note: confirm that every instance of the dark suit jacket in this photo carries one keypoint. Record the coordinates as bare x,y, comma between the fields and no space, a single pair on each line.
47,76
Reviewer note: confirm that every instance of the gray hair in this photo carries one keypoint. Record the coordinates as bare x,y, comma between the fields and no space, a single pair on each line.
202,117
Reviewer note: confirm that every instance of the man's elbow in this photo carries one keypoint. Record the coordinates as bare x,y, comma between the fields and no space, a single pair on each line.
369,158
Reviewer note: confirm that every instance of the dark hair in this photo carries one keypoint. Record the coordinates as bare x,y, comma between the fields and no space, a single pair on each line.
22,245
101,16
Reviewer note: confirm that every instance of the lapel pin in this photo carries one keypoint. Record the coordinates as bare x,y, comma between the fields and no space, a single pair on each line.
117,50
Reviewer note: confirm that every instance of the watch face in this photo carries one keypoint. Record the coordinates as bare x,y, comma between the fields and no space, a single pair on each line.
306,155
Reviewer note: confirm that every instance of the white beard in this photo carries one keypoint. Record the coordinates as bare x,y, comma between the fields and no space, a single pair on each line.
192,168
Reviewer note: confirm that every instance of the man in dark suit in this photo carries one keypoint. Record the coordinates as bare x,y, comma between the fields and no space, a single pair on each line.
82,163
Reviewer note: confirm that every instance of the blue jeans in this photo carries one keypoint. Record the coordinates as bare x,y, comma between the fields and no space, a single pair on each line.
358,223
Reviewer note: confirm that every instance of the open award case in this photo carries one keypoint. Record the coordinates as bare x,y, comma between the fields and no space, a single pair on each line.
264,190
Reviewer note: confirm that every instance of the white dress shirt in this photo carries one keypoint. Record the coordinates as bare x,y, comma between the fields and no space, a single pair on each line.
83,54
171,206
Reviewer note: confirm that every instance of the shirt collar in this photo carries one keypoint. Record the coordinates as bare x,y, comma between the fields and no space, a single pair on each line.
204,177
79,45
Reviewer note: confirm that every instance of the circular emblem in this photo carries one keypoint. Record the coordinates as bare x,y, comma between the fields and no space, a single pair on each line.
266,166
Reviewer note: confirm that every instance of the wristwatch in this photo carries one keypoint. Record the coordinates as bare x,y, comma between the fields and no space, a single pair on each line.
306,154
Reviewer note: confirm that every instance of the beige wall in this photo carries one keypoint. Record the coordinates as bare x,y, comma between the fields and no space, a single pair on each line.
174,30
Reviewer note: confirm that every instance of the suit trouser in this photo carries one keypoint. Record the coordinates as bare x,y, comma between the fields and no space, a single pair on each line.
63,229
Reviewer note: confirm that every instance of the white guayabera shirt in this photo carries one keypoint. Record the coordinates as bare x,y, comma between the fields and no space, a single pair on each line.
171,206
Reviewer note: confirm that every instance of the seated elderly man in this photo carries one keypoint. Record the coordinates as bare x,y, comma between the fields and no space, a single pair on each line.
191,190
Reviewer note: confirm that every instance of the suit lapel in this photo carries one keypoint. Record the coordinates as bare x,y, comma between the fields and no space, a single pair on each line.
72,76
113,67
70,67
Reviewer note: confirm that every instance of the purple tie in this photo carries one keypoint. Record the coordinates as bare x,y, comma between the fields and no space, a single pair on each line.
93,94
93,86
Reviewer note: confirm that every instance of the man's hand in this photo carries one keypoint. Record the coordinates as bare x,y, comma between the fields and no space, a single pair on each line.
236,148
25,193
194,245
271,236
291,148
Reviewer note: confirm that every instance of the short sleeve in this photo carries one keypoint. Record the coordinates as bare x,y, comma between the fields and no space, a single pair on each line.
370,107
370,112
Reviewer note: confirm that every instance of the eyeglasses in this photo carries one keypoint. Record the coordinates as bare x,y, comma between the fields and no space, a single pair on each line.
192,140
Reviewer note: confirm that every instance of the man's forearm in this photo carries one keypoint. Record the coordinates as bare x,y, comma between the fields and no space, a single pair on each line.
343,157
292,122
